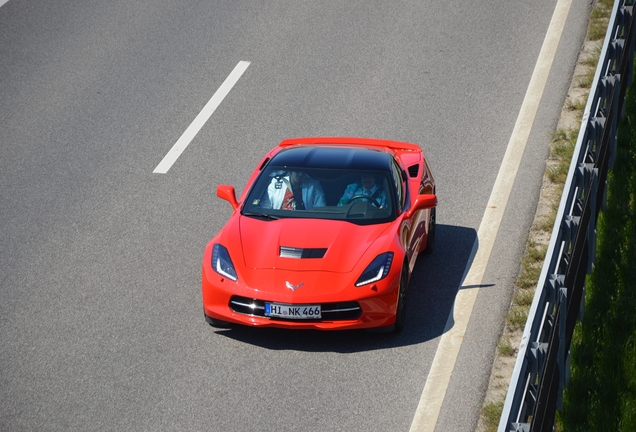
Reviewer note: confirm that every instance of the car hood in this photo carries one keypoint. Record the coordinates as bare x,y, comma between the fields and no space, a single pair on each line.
305,244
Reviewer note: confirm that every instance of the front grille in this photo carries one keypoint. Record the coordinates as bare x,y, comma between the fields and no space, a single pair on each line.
330,311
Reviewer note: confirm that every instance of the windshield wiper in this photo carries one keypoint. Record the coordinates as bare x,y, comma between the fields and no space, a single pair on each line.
264,216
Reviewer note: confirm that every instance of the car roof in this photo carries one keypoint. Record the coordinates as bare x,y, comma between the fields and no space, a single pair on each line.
333,157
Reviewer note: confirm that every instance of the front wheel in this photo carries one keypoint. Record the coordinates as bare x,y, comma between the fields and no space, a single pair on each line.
400,310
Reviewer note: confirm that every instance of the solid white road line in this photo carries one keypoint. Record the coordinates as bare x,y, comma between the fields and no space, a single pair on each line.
439,375
201,119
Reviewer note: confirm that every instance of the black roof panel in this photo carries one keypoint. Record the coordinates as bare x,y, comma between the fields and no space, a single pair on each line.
332,157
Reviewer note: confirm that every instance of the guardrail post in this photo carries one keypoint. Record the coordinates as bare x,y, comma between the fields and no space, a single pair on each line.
563,313
615,81
591,228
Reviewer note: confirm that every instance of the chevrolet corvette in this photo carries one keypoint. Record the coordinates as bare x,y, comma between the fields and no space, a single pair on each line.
324,236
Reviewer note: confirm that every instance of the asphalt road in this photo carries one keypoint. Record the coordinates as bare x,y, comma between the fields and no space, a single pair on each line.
101,323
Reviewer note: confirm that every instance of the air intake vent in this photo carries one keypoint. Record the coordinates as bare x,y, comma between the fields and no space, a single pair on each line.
298,253
414,170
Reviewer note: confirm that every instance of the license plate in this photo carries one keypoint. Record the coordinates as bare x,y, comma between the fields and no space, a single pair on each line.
278,310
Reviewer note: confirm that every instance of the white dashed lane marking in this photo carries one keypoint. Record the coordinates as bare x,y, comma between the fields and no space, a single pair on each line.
194,128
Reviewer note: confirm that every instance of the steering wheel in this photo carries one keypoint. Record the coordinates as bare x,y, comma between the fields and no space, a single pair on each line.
365,198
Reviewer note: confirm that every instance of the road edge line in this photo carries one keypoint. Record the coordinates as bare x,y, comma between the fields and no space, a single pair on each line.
439,376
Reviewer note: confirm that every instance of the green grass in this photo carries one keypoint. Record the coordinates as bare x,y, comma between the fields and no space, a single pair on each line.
524,297
563,143
577,105
601,395
517,317
491,413
528,277
598,20
546,223
592,59
506,348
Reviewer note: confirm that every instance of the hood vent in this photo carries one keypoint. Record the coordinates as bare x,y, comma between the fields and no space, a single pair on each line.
298,253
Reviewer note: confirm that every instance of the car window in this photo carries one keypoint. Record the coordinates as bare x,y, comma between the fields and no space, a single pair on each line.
358,196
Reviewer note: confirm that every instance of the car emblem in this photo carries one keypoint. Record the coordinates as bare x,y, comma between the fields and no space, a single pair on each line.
294,287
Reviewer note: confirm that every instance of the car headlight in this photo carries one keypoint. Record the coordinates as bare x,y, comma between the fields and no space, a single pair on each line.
377,270
222,263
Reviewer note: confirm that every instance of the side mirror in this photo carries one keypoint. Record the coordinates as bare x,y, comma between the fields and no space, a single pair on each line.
422,202
227,193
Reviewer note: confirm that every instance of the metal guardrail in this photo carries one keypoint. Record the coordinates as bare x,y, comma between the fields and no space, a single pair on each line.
536,387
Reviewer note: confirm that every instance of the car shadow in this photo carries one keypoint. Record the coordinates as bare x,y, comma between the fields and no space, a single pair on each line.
432,290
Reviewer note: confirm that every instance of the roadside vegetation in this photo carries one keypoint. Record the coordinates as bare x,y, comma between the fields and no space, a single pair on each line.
601,395
557,166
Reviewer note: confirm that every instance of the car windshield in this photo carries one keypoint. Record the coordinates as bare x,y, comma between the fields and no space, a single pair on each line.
357,196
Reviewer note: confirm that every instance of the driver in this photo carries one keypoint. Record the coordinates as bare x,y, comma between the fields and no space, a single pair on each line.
366,187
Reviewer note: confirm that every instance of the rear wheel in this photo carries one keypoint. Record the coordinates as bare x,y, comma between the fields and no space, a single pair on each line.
430,241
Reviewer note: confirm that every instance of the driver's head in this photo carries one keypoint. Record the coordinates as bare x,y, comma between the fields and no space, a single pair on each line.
368,181
296,178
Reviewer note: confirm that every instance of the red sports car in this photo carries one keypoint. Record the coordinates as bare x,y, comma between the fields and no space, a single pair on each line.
324,236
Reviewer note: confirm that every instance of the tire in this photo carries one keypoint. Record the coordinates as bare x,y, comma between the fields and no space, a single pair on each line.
432,228
400,311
